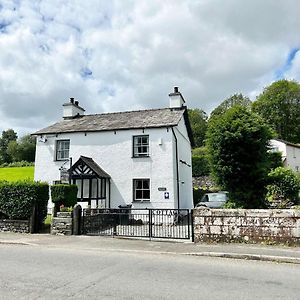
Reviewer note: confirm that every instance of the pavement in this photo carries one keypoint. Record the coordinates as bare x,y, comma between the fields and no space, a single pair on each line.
274,253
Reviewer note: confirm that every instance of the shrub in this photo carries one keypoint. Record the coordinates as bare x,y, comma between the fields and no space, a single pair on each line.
17,199
64,194
283,188
237,144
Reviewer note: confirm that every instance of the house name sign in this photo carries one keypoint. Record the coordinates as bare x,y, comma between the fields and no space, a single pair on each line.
162,189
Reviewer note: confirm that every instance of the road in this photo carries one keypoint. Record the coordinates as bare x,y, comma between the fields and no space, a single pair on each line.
41,272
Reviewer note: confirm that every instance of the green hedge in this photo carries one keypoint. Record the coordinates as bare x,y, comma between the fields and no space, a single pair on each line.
17,199
22,163
65,194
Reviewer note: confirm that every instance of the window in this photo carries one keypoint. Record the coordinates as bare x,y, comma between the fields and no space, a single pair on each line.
62,149
141,146
141,189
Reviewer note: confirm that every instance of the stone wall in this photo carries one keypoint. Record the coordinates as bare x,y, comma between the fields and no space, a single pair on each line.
62,224
22,226
247,225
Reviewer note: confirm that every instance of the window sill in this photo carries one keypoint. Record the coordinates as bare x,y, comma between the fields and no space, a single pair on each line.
140,201
142,156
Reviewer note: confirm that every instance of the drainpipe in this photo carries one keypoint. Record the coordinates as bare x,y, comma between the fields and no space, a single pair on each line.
177,167
70,171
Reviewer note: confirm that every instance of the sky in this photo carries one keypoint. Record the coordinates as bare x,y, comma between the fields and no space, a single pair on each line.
128,55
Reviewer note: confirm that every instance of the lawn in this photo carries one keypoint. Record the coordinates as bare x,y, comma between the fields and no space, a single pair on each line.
15,174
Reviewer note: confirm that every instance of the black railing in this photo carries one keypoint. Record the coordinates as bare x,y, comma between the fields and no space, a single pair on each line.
151,223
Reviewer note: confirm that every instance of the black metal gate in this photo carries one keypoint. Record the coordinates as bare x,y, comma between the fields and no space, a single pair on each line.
150,223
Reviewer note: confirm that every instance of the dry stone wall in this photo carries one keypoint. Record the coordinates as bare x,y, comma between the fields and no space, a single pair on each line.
22,226
248,225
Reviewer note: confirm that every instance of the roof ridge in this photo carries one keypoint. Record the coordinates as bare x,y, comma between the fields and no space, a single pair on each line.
127,111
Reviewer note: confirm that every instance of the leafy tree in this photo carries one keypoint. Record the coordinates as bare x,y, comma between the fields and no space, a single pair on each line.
13,151
7,136
279,105
22,150
27,148
200,162
198,119
236,99
283,188
237,146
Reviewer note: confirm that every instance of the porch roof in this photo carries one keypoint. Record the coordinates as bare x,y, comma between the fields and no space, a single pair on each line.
89,162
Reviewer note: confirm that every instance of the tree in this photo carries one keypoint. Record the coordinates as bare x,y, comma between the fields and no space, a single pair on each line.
198,120
237,145
13,151
27,148
24,149
283,188
7,136
279,105
200,162
236,99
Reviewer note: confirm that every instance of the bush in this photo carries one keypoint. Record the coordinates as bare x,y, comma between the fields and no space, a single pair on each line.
283,188
237,145
64,194
17,199
275,160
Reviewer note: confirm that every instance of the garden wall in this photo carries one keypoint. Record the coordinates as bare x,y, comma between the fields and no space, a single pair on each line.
22,226
247,225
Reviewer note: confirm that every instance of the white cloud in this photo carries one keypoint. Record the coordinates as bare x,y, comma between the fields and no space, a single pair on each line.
122,55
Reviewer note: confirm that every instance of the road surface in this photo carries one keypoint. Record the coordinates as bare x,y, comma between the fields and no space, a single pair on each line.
42,272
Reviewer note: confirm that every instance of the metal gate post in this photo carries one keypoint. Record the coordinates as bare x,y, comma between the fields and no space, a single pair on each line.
192,223
150,223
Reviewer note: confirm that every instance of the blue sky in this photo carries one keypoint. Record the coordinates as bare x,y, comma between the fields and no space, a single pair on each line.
124,55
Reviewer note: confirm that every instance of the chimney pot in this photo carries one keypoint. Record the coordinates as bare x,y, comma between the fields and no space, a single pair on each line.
76,103
175,89
72,100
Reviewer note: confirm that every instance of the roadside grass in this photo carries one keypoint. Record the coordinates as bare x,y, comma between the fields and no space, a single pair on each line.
17,173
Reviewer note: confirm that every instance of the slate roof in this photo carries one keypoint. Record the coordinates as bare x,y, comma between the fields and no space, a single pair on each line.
288,143
152,118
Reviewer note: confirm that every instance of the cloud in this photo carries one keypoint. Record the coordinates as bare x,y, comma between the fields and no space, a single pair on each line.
123,55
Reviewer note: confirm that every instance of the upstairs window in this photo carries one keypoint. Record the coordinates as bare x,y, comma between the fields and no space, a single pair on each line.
62,149
141,146
141,189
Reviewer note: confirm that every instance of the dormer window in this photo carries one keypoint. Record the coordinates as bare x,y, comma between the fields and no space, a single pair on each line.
141,146
62,149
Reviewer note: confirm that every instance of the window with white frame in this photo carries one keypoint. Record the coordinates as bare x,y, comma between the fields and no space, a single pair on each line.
62,149
141,189
141,146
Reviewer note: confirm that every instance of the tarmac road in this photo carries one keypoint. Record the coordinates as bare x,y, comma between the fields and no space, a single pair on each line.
43,272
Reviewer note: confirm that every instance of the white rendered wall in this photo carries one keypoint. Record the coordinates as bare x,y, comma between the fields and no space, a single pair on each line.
293,158
113,153
290,154
185,170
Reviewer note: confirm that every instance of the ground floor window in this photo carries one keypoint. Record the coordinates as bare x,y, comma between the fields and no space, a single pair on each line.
141,189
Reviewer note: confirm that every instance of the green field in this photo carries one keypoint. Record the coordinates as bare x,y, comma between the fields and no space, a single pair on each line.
15,174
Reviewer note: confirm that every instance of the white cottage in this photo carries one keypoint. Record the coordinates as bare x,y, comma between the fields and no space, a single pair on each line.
290,153
141,158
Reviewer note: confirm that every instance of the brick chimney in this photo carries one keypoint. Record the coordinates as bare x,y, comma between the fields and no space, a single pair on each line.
176,99
72,109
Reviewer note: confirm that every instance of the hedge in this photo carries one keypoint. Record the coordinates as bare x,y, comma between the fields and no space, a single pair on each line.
17,199
64,194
